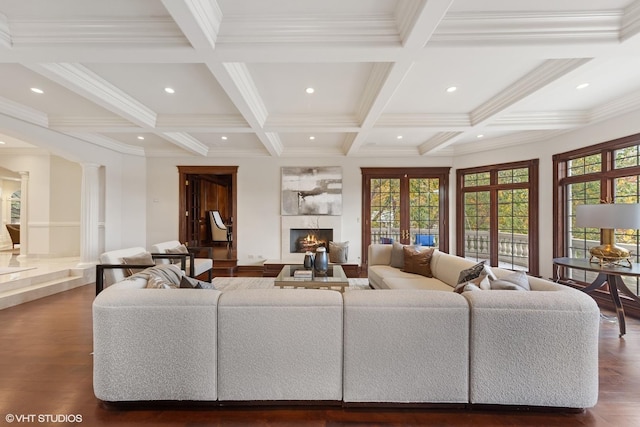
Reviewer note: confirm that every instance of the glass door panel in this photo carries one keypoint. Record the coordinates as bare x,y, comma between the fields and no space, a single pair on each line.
477,224
513,229
385,210
424,211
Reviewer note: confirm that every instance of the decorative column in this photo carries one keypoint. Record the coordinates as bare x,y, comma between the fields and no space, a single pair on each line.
89,215
24,214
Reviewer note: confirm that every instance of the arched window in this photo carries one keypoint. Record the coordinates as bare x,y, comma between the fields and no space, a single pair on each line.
14,200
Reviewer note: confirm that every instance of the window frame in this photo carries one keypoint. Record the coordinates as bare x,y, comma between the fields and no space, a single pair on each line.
494,187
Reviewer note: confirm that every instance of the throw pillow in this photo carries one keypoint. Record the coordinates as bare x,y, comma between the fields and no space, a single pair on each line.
157,282
181,249
516,281
417,262
471,273
338,252
190,283
397,255
480,283
143,258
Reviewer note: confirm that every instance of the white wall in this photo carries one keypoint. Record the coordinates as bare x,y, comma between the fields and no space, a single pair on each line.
258,218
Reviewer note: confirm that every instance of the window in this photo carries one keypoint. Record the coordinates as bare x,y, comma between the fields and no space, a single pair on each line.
14,200
496,219
607,172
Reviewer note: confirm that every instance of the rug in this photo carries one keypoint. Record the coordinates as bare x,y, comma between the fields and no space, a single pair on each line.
229,283
9,270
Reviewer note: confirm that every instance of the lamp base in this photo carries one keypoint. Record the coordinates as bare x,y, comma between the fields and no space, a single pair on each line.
610,254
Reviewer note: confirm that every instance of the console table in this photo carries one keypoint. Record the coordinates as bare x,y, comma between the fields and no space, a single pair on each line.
611,274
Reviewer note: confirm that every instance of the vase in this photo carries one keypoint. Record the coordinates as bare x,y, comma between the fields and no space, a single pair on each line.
321,260
308,260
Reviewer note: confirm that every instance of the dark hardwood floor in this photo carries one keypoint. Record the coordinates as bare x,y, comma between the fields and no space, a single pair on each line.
46,371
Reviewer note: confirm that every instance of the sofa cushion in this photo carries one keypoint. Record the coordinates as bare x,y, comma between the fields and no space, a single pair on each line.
143,258
415,282
517,281
157,282
397,255
338,252
417,262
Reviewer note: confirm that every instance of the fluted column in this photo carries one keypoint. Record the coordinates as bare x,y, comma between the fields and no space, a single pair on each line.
89,215
24,214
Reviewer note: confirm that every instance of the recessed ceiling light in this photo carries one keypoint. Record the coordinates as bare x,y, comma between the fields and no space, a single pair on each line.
37,90
224,138
480,136
140,137
312,137
399,137
452,89
582,86
169,90
310,90
2,142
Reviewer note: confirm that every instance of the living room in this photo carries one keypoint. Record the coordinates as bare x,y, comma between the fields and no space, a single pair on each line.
96,155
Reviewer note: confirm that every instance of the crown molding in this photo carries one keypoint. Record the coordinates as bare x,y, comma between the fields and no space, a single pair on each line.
507,141
208,15
22,112
549,71
617,107
202,122
313,122
108,143
241,77
376,81
80,79
516,28
421,121
437,142
187,142
5,32
541,120
374,29
630,21
91,124
161,31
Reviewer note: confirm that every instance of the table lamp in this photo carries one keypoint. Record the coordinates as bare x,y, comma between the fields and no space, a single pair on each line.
609,217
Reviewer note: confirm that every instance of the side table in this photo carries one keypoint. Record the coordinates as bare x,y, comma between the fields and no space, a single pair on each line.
611,274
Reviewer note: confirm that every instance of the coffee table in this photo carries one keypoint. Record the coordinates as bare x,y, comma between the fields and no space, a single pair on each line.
334,278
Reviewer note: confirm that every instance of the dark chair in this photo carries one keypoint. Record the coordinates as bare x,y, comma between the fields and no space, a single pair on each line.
14,233
219,231
386,240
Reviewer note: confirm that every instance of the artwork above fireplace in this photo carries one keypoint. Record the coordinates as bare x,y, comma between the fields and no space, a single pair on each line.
302,240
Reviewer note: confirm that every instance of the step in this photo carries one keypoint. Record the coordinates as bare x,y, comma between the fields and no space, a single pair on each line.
38,287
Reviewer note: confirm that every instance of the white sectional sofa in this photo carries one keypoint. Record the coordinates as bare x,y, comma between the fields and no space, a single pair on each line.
363,347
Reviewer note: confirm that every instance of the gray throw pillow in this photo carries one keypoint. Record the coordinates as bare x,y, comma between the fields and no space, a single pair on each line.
397,255
190,283
143,258
338,252
516,281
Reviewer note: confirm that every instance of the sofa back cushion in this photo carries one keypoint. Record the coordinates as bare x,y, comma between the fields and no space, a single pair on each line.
379,254
447,267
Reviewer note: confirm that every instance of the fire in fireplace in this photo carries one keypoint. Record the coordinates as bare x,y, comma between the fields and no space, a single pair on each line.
305,239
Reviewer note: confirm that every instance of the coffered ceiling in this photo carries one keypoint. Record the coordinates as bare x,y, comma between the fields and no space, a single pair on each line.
380,70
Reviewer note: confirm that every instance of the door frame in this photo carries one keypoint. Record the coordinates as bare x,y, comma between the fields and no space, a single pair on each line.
183,171
441,173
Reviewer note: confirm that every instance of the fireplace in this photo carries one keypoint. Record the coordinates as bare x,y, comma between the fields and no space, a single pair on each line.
306,223
302,240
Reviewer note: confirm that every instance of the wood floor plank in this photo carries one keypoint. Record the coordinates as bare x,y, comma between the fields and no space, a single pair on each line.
46,368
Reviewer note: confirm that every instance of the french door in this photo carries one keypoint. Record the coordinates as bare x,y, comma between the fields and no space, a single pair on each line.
405,205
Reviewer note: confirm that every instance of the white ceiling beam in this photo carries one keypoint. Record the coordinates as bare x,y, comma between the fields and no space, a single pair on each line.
22,112
5,33
199,20
187,142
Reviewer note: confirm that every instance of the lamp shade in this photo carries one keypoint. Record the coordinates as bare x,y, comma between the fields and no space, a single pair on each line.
609,215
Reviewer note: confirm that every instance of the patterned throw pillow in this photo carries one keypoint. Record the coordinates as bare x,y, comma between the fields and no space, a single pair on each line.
157,282
190,283
480,283
471,273
417,262
338,252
